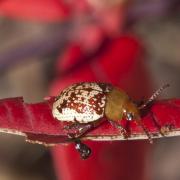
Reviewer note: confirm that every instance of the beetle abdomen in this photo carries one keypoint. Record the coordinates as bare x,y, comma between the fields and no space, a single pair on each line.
83,102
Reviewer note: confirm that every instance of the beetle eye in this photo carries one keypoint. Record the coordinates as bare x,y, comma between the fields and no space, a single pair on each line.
129,116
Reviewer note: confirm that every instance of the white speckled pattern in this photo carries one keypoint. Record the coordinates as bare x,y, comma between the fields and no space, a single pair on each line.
83,102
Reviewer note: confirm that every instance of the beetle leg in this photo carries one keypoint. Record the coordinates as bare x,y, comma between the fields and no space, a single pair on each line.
140,123
74,125
121,128
127,127
83,149
163,130
81,130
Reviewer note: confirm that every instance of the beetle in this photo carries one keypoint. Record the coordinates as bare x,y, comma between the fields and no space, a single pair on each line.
85,104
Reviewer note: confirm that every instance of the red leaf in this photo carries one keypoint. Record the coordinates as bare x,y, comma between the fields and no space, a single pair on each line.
35,121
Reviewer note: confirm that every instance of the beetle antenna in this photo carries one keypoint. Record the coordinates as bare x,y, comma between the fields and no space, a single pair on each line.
154,96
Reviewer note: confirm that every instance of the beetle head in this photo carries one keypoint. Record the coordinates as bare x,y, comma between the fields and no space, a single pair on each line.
130,111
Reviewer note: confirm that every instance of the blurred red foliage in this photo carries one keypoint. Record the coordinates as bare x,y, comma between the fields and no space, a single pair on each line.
41,10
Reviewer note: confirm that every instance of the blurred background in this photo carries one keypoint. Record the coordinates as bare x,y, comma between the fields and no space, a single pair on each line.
37,42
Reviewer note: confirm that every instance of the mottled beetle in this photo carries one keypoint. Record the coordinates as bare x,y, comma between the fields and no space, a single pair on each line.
85,104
